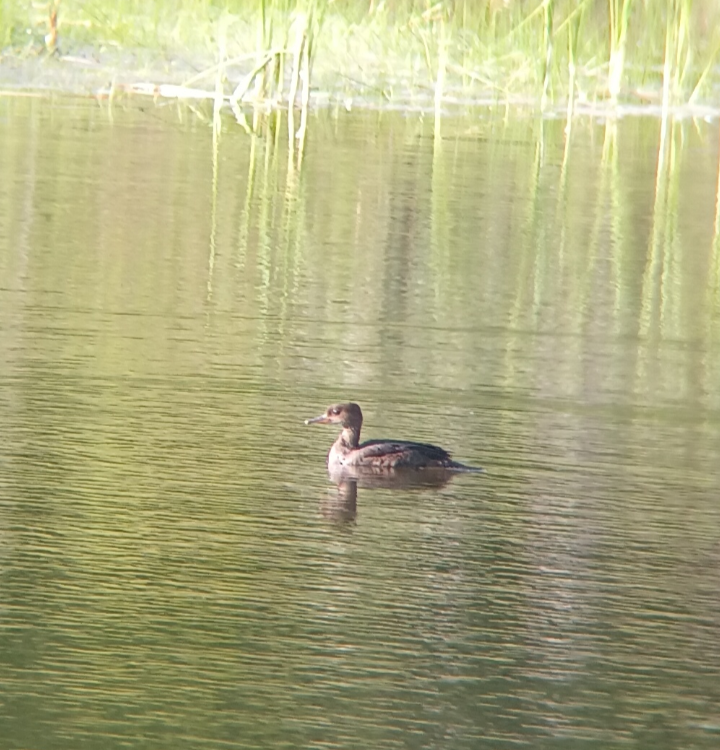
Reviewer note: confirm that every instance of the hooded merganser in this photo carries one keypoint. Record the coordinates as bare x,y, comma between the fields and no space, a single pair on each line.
379,455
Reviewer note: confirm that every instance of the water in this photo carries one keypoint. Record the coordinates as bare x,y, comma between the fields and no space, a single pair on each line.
176,569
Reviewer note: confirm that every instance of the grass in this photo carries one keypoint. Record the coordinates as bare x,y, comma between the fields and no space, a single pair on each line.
550,52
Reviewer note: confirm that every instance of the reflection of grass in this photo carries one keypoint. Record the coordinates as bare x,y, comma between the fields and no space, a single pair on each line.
393,255
608,49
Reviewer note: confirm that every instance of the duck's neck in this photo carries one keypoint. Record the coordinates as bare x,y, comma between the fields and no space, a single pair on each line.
349,438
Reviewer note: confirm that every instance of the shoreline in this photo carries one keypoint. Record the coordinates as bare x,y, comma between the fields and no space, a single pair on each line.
555,59
110,77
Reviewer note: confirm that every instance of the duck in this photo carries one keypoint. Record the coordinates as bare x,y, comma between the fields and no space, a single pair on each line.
379,455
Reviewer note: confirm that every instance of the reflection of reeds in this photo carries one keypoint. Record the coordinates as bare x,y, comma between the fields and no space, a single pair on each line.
491,239
714,287
654,288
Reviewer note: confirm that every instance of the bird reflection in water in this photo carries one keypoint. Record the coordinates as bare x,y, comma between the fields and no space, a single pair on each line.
341,506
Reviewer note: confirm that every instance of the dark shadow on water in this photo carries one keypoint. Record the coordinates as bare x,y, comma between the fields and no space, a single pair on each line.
342,505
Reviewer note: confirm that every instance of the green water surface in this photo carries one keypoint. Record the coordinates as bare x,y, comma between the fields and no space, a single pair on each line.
177,570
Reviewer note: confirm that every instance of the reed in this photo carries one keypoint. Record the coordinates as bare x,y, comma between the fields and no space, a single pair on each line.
546,51
619,19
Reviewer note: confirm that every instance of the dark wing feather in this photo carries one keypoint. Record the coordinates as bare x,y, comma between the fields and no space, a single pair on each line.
398,453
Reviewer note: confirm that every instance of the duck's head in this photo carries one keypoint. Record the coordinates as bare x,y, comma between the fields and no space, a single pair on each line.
347,415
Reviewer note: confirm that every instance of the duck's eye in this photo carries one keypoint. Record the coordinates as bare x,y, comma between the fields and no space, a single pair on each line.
335,411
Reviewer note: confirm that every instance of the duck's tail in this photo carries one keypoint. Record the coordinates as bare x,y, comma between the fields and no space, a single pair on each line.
455,466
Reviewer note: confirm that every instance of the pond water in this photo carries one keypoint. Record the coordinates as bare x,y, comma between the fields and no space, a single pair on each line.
176,568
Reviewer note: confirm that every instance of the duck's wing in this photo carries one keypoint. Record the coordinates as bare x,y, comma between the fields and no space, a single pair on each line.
397,453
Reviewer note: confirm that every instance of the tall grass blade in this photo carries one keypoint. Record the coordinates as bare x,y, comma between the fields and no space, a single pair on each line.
619,20
549,7
440,79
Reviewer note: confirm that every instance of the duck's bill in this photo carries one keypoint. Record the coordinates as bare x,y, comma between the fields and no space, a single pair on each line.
322,419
